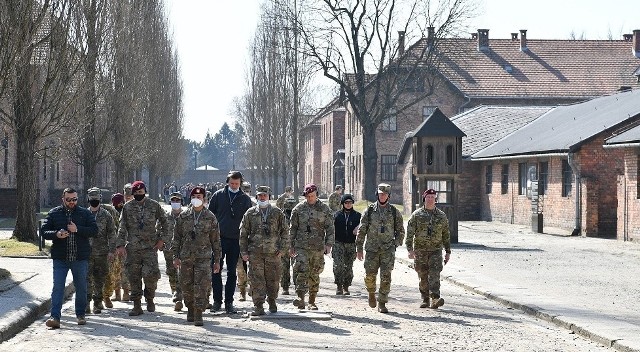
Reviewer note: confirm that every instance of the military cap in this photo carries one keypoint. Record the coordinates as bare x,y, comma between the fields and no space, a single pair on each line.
288,189
310,188
338,187
198,190
263,189
384,188
117,198
246,186
346,197
429,191
94,193
175,195
138,185
127,189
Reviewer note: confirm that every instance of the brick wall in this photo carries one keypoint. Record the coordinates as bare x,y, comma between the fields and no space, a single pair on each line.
628,211
332,127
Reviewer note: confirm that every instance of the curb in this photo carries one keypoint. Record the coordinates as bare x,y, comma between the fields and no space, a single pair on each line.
537,312
26,315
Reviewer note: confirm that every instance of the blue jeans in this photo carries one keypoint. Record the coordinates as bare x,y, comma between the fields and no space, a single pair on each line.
230,252
79,269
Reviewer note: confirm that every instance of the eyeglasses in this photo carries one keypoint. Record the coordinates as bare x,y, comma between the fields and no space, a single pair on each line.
348,202
68,200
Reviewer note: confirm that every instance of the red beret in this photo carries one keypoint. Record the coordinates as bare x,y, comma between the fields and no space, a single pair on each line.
117,198
198,190
310,188
429,191
138,185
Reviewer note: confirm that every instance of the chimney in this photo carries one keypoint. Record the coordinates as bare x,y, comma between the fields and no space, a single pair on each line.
627,37
431,36
514,37
636,43
523,40
474,36
483,39
400,43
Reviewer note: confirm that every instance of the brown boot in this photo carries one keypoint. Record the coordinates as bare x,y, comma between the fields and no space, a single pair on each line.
382,308
151,307
190,314
345,290
197,317
107,302
372,299
312,302
285,291
437,302
299,302
97,306
178,306
118,296
137,308
339,291
272,305
425,303
125,296
243,294
258,310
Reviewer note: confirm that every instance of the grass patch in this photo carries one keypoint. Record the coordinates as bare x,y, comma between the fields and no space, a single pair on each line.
14,248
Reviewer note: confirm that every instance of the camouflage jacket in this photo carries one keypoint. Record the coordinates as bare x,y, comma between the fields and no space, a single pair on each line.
196,236
171,225
104,242
137,228
114,213
311,226
428,231
267,237
286,204
377,226
334,201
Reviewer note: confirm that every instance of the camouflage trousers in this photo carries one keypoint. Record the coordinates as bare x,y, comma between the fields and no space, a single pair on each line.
97,275
285,278
265,271
172,273
195,279
117,277
428,265
241,271
307,268
142,265
382,260
344,254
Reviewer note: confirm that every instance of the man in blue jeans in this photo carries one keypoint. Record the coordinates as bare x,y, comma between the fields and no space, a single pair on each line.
69,226
228,205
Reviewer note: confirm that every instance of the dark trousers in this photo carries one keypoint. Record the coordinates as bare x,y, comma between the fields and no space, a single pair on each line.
230,255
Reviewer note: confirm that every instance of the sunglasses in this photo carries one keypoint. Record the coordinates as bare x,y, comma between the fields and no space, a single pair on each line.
71,200
348,201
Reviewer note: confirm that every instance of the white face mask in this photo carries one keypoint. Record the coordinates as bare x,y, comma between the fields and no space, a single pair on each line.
196,202
234,190
263,203
175,206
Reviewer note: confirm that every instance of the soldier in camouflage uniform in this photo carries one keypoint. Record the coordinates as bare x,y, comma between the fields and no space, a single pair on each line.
427,234
138,232
264,239
175,199
195,242
117,274
346,222
103,246
286,202
241,268
334,199
382,227
312,236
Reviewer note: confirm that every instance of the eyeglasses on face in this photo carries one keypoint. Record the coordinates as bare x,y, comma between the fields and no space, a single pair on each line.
68,200
348,201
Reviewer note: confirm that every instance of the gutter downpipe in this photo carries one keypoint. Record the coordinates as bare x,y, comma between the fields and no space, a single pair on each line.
576,171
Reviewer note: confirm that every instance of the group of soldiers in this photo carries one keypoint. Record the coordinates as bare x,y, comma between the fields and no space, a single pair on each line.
272,240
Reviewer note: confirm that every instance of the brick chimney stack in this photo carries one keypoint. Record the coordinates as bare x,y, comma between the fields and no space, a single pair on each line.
400,43
431,36
523,40
627,37
636,43
514,36
483,39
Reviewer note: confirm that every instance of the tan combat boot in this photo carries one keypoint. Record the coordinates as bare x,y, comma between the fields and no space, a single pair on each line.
137,308
339,291
299,302
272,305
258,310
190,314
372,299
107,302
312,302
125,296
382,308
118,296
178,306
197,317
437,302
425,302
97,306
346,290
243,294
151,307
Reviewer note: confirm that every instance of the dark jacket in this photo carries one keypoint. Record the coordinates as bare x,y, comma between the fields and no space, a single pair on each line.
229,208
58,218
344,228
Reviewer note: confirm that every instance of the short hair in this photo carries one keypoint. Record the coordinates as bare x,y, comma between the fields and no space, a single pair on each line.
68,190
234,175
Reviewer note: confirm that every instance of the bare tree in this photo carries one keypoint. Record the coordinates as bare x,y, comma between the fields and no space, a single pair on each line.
40,83
353,44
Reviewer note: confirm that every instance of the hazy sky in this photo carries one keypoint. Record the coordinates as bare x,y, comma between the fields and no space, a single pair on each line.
212,38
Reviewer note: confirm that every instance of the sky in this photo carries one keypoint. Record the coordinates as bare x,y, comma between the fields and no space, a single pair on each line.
212,38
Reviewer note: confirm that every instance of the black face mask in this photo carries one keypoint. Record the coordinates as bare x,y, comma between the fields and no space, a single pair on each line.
138,197
94,202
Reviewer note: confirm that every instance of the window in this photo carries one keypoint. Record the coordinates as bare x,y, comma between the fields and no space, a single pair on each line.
388,167
429,155
522,178
504,181
427,111
567,175
414,82
543,176
488,179
389,124
449,155
444,190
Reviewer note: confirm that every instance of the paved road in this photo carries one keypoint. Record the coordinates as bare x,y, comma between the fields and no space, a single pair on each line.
467,322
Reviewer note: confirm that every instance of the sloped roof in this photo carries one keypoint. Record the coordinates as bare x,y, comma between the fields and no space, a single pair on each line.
486,125
566,128
629,136
436,124
548,68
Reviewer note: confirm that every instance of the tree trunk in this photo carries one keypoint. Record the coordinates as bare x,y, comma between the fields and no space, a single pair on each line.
370,162
26,224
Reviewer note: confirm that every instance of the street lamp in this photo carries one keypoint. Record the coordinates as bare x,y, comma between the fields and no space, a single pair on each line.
195,159
233,160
